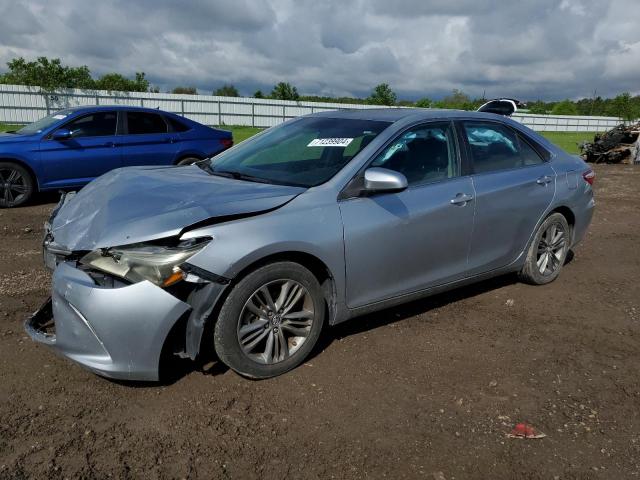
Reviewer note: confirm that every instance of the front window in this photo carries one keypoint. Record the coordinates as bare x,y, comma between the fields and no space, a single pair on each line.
423,154
306,152
99,124
44,123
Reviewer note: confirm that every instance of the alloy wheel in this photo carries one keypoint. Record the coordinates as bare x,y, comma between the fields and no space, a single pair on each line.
13,186
275,321
551,248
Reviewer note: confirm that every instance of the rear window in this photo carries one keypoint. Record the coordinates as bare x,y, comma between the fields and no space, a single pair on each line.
144,122
177,125
496,147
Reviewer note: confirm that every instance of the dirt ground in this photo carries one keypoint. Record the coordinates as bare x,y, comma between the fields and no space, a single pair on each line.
427,390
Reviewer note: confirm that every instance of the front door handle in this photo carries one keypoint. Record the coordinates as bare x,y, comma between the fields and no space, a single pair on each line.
544,180
111,144
461,199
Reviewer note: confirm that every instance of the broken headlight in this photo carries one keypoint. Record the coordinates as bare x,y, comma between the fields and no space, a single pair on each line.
145,261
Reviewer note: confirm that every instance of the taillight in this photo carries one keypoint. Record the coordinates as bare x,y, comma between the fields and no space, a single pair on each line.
589,176
226,142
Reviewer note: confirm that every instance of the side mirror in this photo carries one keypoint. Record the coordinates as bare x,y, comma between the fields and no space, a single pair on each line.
62,134
378,179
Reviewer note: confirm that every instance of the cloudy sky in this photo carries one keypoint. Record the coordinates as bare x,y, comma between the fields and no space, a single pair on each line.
549,49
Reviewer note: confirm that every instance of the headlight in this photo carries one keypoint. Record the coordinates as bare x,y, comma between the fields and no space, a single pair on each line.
144,261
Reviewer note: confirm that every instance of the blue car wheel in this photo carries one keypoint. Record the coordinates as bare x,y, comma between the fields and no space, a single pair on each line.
16,185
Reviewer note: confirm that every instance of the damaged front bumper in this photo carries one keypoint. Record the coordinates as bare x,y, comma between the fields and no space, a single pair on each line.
115,332
115,328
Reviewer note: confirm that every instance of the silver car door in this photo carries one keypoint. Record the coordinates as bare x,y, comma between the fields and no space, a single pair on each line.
513,185
399,243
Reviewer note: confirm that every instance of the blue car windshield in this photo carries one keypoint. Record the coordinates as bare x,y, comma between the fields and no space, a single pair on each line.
305,152
44,123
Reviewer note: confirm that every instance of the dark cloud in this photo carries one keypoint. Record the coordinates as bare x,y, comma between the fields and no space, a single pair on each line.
542,49
18,23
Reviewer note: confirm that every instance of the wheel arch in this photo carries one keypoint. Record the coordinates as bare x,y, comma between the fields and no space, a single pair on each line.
182,155
24,165
567,213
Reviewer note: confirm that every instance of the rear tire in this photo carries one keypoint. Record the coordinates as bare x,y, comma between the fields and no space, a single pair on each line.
188,161
548,251
16,185
270,321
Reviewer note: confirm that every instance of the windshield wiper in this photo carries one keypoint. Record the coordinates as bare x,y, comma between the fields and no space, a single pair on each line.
205,165
239,176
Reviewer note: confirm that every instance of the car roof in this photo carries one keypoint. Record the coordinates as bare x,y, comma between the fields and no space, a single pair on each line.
394,114
112,107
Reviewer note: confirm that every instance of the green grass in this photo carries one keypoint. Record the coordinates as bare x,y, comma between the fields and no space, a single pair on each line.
569,140
241,133
6,127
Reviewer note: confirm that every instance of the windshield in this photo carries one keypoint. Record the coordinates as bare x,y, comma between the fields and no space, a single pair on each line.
306,152
44,123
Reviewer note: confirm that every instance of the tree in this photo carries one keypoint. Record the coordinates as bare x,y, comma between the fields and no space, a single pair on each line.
227,91
538,107
382,95
258,94
285,91
185,90
46,74
458,100
424,103
119,83
624,107
565,107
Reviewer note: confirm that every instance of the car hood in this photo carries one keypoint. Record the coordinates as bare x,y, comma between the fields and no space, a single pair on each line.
137,204
6,138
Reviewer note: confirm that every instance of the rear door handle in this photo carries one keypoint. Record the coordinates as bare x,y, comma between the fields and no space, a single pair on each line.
544,180
111,144
461,199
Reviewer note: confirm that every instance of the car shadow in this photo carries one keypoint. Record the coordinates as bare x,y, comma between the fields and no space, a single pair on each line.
173,369
411,309
43,198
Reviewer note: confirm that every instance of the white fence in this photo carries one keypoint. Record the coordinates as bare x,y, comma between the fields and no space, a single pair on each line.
21,105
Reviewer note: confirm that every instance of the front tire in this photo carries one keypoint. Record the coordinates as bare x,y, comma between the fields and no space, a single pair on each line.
16,185
548,251
270,321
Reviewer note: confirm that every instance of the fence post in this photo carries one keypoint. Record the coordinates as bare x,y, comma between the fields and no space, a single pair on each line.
97,99
46,101
182,106
142,102
219,113
253,114
284,113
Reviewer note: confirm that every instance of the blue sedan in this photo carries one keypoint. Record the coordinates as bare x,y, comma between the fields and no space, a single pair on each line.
69,148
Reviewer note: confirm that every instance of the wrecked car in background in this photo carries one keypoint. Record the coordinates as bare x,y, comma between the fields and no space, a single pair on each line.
502,106
321,219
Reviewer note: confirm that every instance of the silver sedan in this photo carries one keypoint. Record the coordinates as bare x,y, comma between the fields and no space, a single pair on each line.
317,221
